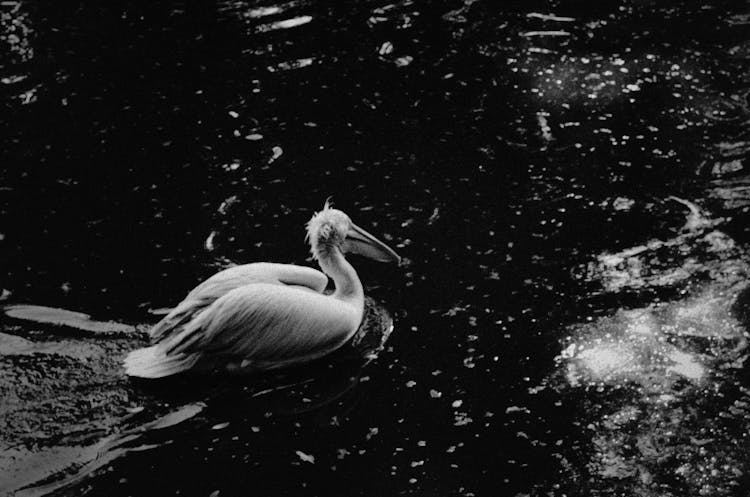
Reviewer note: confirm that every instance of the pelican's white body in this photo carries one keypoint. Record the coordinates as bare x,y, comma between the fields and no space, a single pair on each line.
264,315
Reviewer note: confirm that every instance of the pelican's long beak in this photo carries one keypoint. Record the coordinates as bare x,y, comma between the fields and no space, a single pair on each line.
358,241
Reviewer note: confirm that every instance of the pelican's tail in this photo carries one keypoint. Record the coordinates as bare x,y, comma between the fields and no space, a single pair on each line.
152,362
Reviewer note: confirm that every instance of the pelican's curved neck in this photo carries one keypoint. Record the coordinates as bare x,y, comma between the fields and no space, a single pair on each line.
348,286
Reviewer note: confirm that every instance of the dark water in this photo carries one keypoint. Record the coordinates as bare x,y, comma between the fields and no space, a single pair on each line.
569,193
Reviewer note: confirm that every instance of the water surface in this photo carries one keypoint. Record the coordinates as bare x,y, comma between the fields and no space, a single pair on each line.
565,180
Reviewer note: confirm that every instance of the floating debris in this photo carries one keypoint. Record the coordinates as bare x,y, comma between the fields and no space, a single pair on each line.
209,243
404,61
264,11
285,24
292,64
550,17
305,457
386,48
277,152
529,34
622,204
544,128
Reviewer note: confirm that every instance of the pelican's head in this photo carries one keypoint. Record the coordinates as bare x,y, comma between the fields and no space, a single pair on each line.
331,229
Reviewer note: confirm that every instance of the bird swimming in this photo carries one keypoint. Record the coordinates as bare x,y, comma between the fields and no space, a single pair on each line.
263,316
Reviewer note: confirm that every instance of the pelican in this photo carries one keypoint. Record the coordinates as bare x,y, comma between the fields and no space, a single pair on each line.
263,315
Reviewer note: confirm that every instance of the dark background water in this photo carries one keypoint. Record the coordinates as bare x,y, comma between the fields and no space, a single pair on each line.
493,158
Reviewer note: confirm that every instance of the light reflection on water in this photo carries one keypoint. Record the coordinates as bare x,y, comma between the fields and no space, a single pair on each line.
655,377
632,346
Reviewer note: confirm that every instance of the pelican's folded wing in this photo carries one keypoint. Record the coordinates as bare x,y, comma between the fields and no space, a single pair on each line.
229,279
267,326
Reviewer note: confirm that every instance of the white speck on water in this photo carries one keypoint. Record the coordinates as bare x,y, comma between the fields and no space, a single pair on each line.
386,48
544,127
292,64
263,11
234,114
209,243
462,419
277,152
457,403
404,61
285,24
622,204
550,17
517,409
528,34
305,457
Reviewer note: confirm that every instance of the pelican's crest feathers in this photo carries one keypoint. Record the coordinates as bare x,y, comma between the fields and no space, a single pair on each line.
326,229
